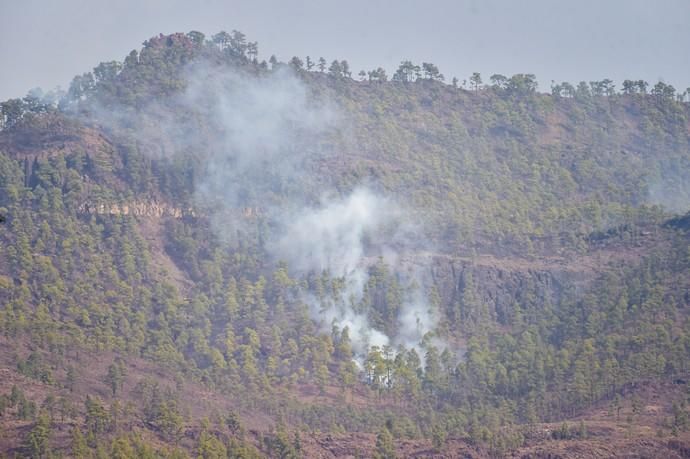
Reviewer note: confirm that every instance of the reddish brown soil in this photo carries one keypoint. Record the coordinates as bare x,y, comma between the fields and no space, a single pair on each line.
626,434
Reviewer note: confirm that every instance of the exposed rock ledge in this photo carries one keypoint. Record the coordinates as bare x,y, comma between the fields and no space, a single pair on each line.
139,209
156,209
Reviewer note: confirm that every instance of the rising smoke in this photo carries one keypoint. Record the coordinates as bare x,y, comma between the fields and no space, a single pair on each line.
257,135
269,123
263,129
330,238
671,190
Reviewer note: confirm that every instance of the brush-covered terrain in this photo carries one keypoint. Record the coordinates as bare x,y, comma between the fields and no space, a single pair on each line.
207,255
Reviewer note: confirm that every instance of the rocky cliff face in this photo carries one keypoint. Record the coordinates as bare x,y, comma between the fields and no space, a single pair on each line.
138,209
501,285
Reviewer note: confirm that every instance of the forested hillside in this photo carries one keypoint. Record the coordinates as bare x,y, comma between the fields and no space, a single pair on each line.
204,254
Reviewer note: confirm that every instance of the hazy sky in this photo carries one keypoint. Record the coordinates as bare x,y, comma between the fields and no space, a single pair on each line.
45,43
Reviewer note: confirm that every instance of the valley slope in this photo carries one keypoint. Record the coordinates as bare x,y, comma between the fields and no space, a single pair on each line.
152,308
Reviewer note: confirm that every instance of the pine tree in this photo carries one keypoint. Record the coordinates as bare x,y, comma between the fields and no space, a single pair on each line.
78,444
385,447
38,438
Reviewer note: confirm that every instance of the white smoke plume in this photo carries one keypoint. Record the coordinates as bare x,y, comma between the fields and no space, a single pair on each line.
265,121
264,125
257,133
415,321
672,192
331,238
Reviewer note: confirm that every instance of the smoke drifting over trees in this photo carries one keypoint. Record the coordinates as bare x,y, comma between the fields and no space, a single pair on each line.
239,258
257,135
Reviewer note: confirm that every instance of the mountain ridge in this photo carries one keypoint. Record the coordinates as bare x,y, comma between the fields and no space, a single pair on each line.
525,225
